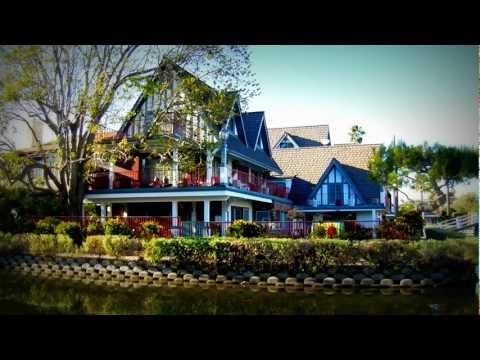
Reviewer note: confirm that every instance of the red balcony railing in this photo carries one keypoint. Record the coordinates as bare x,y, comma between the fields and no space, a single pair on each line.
257,183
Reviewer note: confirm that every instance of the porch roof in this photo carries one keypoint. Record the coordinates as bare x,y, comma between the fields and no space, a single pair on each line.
213,193
333,208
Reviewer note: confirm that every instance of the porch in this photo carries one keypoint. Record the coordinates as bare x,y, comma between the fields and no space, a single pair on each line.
139,174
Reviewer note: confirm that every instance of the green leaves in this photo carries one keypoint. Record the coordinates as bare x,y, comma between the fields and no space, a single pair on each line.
423,166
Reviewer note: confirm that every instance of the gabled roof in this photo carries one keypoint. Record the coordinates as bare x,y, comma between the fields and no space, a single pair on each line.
309,163
302,135
259,157
345,175
252,122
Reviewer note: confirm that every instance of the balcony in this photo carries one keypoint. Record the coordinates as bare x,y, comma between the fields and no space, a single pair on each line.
257,183
128,179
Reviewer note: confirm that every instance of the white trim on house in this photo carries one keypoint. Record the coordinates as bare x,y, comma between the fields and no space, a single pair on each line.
179,195
259,132
336,210
285,135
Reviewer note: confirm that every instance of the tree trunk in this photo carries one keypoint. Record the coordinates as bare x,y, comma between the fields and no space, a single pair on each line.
76,191
396,201
448,198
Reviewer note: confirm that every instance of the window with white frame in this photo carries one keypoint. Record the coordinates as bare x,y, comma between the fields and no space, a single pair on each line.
285,143
335,190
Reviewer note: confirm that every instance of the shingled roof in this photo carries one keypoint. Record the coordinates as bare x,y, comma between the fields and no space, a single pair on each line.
252,122
309,163
304,136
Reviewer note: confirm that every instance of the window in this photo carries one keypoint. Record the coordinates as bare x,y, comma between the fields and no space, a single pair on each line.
285,143
240,213
336,191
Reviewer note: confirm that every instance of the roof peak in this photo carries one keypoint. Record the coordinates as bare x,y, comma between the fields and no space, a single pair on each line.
328,146
301,126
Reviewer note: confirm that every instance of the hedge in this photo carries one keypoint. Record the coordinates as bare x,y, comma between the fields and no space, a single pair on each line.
114,245
310,256
36,244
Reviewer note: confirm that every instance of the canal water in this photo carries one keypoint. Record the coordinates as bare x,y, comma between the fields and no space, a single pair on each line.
24,294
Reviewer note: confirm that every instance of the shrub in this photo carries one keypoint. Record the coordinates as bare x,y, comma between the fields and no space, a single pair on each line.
151,228
319,231
46,225
117,245
410,222
72,229
331,231
309,256
65,244
95,227
383,254
94,245
245,229
182,252
435,233
116,226
389,230
13,244
47,244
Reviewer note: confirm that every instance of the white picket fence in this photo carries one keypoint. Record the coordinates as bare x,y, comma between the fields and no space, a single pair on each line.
459,223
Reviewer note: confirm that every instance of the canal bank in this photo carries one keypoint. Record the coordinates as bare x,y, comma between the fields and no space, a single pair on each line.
128,269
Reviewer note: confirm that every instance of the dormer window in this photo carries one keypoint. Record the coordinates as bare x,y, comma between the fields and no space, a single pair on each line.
286,143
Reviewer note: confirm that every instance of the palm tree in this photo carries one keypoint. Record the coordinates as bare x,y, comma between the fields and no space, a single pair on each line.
356,134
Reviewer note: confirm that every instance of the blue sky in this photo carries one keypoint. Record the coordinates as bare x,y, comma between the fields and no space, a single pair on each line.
418,93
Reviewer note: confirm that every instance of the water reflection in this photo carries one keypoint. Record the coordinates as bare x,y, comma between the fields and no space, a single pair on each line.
25,294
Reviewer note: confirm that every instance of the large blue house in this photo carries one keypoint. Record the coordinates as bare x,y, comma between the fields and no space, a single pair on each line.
255,173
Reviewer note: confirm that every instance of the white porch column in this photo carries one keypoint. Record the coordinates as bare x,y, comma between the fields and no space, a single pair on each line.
224,165
175,168
194,217
103,211
111,176
209,168
374,224
206,217
226,217
109,210
174,212
249,175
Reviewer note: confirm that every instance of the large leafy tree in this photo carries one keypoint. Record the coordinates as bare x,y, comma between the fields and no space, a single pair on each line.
432,168
466,204
75,91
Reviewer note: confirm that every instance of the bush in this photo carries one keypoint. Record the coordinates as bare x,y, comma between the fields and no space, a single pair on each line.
46,244
411,223
382,254
94,245
309,256
116,226
151,228
436,233
117,245
65,244
95,227
13,244
46,225
389,230
72,229
245,229
319,231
